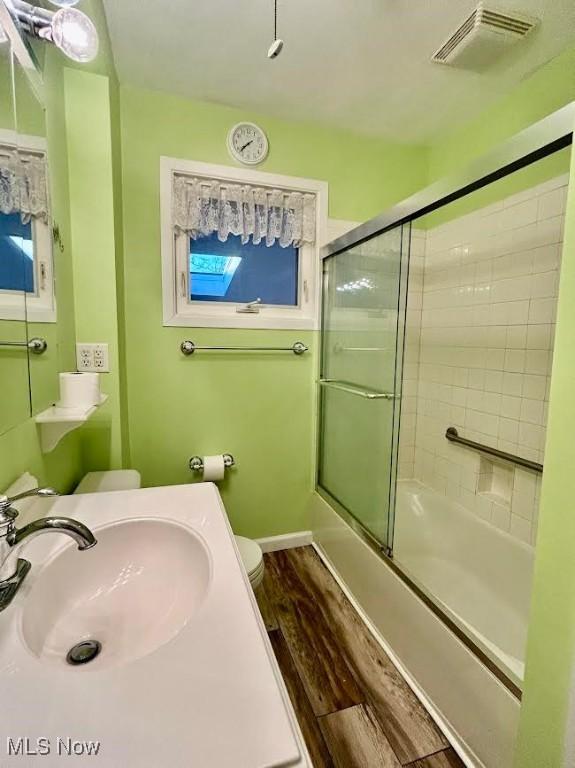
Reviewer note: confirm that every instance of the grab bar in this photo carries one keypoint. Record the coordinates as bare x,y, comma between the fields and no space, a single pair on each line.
368,394
36,345
453,437
188,348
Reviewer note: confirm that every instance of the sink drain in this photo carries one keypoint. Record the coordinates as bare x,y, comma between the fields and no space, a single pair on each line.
83,652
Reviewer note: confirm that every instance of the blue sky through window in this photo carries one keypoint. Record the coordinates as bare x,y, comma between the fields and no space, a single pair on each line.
211,275
237,272
16,254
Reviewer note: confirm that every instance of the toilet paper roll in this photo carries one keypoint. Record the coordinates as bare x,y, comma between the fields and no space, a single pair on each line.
214,468
79,390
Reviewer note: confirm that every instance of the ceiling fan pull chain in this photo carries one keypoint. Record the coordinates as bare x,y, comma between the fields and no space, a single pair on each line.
277,45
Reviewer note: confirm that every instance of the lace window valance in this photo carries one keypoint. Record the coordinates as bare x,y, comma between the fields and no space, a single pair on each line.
202,206
23,184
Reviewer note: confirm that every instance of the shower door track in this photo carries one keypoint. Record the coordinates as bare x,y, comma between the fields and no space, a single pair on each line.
387,557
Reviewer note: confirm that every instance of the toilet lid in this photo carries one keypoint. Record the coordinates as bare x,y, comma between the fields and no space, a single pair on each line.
251,554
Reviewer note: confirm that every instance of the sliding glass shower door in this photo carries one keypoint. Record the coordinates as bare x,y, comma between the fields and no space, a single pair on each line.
364,299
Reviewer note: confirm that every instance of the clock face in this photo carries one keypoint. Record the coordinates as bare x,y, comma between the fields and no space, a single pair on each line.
248,143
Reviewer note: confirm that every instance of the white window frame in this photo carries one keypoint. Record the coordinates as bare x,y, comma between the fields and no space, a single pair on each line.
178,310
40,306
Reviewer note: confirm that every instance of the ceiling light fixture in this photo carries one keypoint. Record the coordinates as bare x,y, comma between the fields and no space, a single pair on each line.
68,28
65,3
276,47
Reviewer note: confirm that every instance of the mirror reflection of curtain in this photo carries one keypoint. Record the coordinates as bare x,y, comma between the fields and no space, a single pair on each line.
23,198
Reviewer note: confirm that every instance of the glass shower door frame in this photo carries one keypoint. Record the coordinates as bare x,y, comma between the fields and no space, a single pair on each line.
394,398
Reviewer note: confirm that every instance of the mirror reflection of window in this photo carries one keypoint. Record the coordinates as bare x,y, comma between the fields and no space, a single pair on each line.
16,254
16,266
25,238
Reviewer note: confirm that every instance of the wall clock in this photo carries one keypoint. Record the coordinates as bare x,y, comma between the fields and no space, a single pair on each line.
248,144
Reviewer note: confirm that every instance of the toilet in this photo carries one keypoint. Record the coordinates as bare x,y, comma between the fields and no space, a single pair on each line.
129,479
252,558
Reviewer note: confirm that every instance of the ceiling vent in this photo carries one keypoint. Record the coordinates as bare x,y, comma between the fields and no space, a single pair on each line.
484,37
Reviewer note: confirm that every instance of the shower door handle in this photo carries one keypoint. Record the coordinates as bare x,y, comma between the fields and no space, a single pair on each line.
368,394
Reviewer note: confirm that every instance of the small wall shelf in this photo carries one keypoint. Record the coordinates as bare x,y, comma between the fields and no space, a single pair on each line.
56,422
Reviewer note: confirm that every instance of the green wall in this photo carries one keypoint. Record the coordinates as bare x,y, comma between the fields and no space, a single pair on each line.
547,90
91,178
259,408
551,643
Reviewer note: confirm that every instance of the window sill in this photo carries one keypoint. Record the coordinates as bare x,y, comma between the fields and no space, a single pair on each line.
254,322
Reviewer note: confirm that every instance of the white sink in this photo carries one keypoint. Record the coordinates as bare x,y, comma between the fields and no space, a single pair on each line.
186,675
131,593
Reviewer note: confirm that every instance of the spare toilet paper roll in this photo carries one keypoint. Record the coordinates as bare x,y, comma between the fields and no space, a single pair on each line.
214,468
79,390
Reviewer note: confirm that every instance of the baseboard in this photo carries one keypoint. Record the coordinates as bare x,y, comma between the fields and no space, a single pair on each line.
285,541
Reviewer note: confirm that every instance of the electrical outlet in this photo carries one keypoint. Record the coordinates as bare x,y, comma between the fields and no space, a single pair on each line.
84,357
101,358
92,357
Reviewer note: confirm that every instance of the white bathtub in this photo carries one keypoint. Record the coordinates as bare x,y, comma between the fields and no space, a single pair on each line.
480,576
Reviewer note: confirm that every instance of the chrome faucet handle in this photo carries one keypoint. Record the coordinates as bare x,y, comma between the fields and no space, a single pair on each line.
6,502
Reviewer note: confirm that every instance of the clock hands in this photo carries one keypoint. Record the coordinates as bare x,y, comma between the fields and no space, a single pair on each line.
246,145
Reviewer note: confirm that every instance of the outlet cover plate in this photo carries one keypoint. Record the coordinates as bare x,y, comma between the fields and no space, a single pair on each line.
92,358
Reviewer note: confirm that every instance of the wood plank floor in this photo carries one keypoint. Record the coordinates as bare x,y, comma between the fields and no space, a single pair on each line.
354,708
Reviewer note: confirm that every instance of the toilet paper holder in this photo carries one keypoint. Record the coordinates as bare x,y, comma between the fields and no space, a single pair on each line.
197,463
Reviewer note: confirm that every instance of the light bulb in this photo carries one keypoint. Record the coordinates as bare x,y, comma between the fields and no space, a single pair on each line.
65,3
75,35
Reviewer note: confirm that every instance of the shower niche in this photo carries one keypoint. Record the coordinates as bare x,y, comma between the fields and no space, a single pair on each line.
495,481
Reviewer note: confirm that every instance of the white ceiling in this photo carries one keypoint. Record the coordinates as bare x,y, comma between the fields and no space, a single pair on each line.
362,65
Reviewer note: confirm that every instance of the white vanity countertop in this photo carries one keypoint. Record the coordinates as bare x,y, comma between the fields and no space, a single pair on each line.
209,698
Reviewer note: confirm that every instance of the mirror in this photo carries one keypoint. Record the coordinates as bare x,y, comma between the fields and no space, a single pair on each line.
40,126
15,262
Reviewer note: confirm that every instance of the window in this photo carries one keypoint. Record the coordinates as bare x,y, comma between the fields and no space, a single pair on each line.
25,236
26,266
265,277
16,254
241,273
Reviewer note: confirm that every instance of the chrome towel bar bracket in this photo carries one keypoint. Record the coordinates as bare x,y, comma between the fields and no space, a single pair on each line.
36,345
188,348
453,436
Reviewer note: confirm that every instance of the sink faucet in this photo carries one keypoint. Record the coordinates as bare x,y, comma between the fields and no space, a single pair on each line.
13,570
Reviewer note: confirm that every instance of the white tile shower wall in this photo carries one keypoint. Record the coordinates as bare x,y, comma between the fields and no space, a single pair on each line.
485,343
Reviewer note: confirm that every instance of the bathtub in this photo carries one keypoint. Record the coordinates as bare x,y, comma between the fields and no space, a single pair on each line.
478,575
